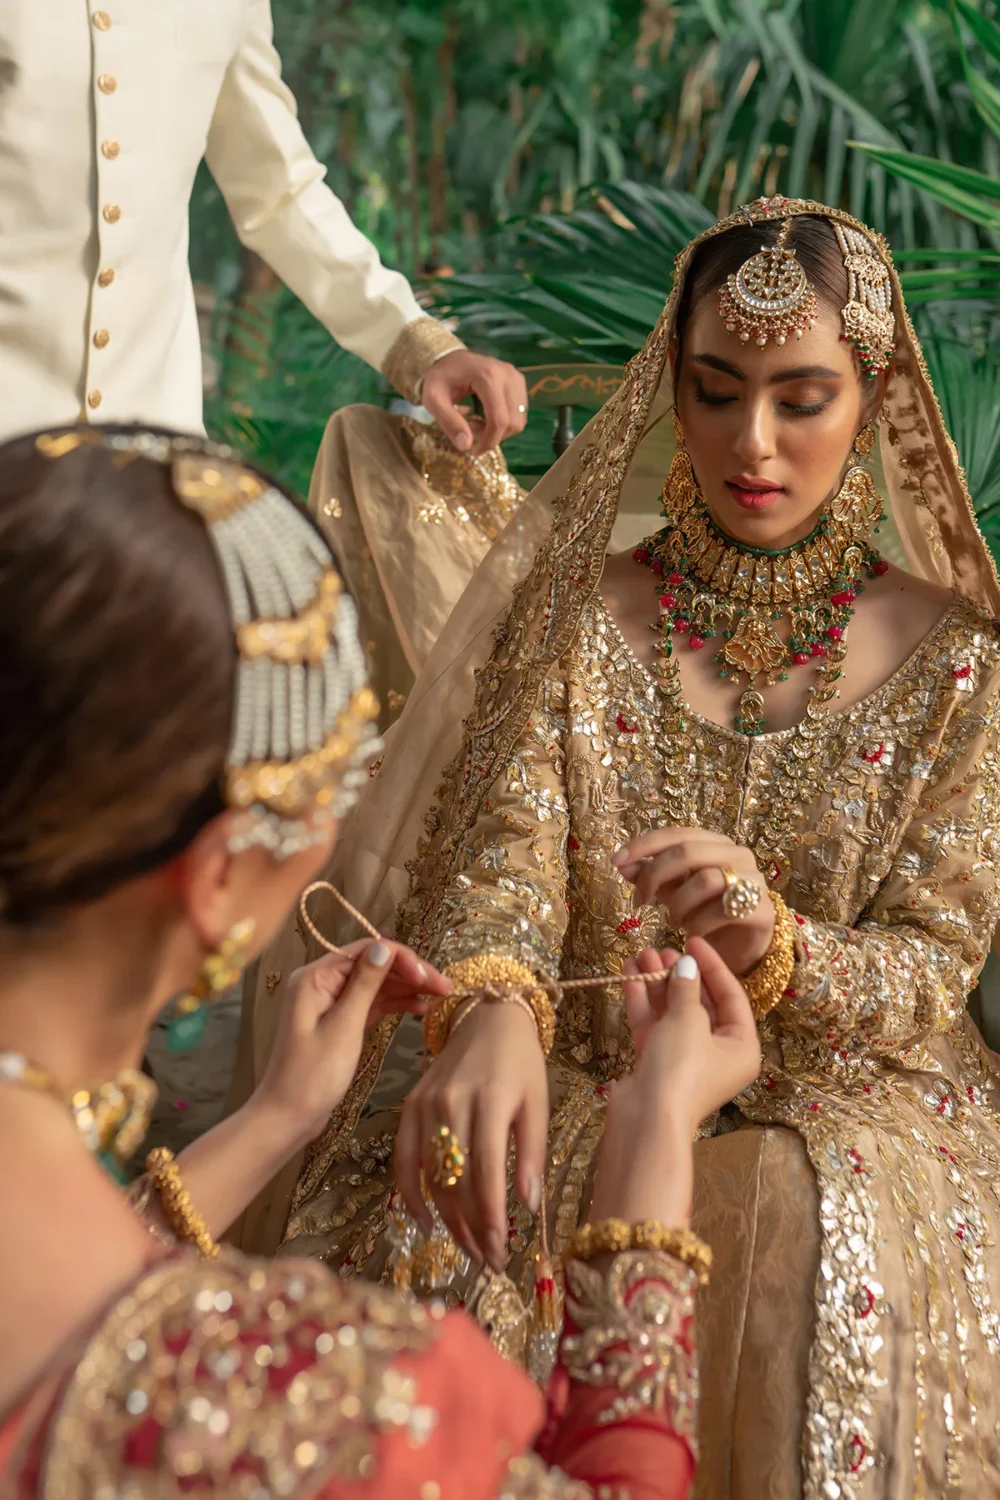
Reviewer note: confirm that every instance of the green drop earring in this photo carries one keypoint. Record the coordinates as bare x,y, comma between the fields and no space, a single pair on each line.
219,973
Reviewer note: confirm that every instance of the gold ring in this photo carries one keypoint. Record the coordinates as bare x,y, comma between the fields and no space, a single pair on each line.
449,1158
741,896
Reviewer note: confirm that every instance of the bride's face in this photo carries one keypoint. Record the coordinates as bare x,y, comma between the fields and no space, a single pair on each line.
769,430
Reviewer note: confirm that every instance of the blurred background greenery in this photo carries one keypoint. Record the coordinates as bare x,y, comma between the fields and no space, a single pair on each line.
535,165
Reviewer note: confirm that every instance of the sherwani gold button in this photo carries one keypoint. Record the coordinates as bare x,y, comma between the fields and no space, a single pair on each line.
112,213
102,20
106,277
110,149
107,83
102,338
94,399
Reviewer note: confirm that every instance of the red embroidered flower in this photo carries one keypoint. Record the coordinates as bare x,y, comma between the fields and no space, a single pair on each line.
875,757
624,727
630,924
962,674
574,843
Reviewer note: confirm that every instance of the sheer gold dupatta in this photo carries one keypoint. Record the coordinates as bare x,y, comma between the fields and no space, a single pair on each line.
523,607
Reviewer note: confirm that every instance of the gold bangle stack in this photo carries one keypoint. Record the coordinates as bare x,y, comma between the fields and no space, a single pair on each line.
612,1236
766,984
490,972
188,1223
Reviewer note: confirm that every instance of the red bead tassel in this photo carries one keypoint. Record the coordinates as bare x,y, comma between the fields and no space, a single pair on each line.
545,1311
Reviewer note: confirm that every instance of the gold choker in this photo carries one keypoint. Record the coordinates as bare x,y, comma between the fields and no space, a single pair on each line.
715,587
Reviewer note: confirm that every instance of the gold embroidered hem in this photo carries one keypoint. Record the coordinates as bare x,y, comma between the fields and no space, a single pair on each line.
421,344
850,1336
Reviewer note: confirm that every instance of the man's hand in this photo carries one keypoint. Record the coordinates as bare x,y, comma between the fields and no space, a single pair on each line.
500,388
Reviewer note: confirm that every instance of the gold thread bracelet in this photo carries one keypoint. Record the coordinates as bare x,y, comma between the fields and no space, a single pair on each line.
613,1236
766,984
175,1199
502,981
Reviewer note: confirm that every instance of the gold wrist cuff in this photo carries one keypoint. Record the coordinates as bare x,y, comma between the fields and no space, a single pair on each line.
766,984
417,347
181,1213
613,1236
502,980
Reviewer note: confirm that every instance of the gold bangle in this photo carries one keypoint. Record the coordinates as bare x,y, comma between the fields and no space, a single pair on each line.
490,971
165,1176
613,1236
766,984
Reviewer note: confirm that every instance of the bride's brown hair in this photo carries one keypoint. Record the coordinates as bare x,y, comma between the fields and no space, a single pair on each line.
117,669
812,238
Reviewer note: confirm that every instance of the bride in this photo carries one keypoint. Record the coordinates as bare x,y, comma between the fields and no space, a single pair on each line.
755,730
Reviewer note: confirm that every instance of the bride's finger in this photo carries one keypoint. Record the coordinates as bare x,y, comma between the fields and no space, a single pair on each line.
484,1191
664,840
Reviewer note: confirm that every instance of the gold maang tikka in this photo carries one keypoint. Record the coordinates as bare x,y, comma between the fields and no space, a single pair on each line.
770,297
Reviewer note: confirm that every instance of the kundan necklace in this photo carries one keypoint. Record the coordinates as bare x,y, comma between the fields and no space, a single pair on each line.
715,588
112,1118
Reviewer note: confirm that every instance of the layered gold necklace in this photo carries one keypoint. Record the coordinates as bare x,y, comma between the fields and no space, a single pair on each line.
712,587
112,1118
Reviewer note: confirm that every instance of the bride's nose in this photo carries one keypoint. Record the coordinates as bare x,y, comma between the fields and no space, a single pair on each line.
756,440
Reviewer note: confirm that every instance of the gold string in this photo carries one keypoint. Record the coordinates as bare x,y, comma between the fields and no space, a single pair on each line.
490,991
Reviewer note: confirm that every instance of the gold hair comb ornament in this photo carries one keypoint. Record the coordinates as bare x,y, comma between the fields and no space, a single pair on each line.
869,323
303,733
770,297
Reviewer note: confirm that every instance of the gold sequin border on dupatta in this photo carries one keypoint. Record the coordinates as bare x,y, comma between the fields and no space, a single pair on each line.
184,1385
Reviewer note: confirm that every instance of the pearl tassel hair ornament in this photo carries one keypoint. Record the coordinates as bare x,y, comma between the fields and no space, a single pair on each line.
303,734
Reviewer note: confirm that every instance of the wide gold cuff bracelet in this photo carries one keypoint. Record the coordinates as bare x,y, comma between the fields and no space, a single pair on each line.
500,980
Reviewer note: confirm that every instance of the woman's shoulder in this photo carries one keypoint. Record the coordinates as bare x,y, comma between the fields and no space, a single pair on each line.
276,1372
941,616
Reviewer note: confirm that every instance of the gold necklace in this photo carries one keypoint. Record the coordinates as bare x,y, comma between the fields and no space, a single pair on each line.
112,1117
714,586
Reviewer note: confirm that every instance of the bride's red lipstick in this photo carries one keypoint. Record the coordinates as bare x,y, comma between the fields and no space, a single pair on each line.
753,494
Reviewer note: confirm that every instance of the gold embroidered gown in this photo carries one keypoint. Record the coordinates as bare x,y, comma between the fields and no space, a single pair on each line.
856,1292
850,1336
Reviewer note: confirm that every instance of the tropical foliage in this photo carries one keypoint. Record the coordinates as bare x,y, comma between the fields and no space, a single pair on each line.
472,134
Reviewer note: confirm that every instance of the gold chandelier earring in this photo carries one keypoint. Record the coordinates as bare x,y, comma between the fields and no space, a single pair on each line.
678,429
857,506
220,971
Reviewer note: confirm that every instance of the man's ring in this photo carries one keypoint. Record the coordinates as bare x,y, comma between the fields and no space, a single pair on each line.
449,1158
740,897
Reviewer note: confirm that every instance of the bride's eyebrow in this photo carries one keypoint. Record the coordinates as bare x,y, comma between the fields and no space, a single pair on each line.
800,372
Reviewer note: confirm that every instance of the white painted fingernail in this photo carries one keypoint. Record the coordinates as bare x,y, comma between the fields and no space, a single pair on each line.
421,971
686,967
379,955
535,1194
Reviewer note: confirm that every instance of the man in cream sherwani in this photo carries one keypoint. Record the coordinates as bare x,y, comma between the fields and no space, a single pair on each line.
106,109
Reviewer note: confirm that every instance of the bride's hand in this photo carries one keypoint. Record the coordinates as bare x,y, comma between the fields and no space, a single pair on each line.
489,1080
328,1008
681,869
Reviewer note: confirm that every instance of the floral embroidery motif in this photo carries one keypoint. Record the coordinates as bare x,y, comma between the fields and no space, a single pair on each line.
239,1378
633,1332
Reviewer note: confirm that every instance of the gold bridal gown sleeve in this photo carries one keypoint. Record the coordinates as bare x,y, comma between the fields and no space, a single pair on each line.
850,1336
